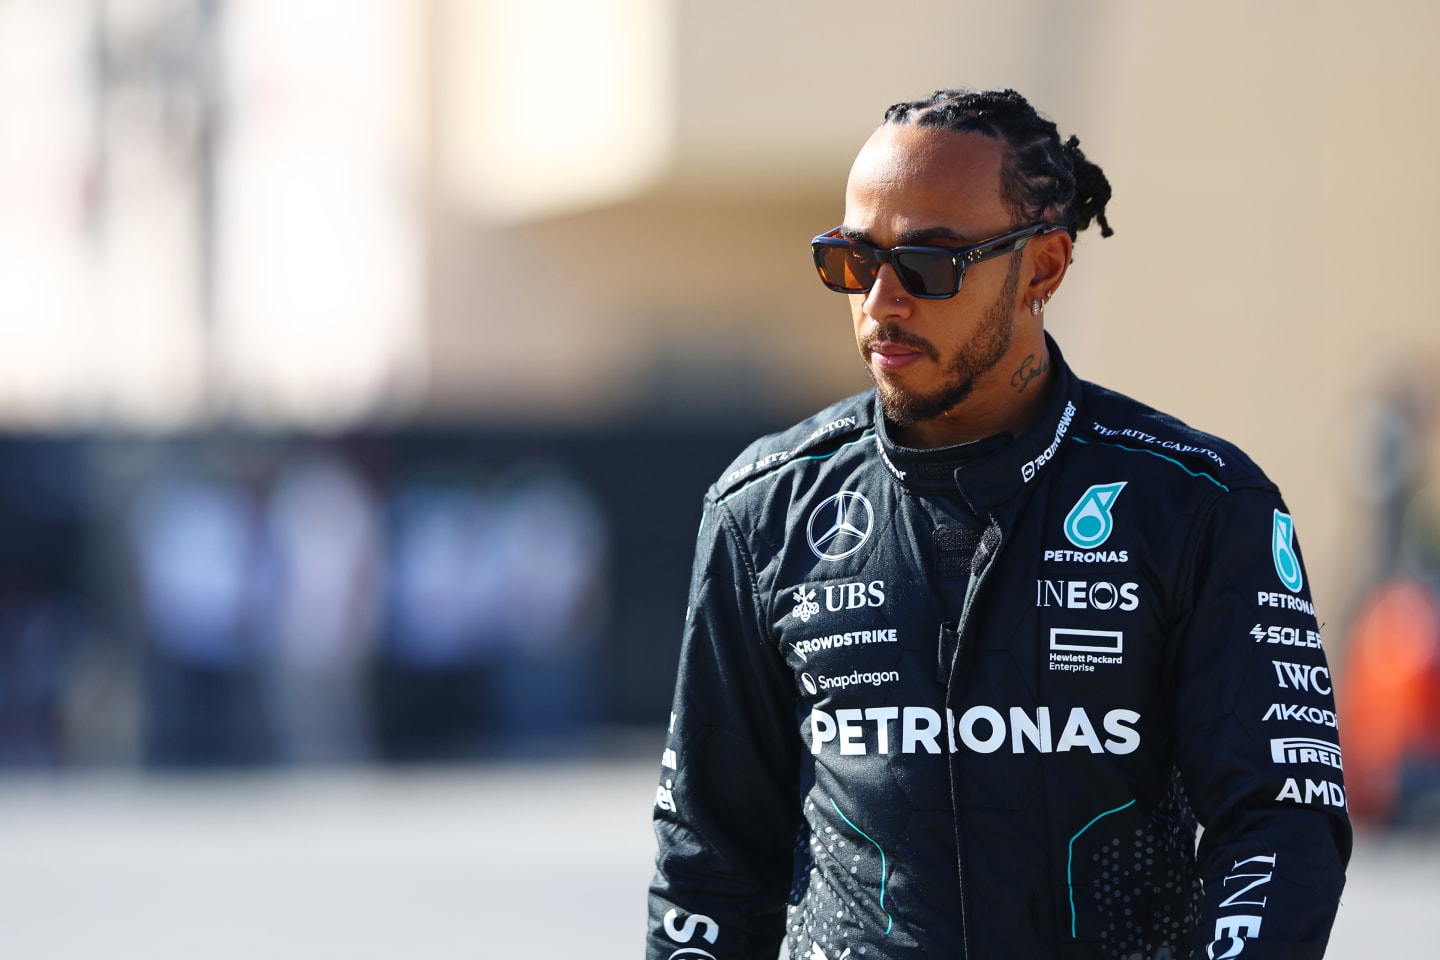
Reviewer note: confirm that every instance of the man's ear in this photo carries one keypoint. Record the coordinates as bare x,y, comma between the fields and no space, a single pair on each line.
1050,255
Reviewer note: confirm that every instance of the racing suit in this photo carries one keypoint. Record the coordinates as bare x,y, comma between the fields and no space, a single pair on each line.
971,702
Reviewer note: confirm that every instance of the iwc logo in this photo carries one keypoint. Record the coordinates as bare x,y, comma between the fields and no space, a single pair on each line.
840,525
1088,524
1282,546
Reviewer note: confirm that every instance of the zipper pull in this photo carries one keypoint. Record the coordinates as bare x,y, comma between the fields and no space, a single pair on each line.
948,649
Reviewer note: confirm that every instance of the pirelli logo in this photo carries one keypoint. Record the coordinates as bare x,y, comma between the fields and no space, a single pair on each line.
1305,750
1087,641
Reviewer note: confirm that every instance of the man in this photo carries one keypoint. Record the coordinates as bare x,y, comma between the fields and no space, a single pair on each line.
968,656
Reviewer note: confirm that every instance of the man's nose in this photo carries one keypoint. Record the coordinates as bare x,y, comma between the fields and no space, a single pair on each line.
887,295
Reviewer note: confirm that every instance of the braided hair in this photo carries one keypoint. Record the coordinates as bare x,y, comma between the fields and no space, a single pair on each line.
1041,177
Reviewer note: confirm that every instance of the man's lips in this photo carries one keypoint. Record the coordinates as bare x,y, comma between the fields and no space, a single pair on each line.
895,354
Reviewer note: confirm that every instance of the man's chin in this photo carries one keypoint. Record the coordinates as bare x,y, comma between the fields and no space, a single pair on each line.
896,403
905,408
896,407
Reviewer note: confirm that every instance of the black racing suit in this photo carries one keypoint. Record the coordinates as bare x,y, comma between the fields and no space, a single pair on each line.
972,702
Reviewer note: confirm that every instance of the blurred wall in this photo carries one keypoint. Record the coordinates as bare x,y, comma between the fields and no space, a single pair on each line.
1271,211
1269,166
344,214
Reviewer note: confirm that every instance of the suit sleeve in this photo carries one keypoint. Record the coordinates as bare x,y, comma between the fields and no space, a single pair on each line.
727,807
1258,742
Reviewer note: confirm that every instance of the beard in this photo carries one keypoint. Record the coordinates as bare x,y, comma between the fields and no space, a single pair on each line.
982,354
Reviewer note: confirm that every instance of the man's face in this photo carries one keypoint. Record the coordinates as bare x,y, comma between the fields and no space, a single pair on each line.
915,185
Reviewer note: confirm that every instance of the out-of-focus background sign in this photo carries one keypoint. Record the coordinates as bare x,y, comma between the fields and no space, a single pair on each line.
363,362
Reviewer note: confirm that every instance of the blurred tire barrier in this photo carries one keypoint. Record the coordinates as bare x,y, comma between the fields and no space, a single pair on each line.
1389,705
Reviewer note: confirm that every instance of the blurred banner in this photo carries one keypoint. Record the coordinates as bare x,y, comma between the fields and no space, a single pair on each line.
242,600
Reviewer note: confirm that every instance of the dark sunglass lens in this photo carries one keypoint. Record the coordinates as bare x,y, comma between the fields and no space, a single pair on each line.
849,267
927,274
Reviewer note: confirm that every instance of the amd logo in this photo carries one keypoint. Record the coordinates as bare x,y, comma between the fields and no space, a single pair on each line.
1316,791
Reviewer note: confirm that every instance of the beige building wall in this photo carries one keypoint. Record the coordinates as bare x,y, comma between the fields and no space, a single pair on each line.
1273,180
1274,201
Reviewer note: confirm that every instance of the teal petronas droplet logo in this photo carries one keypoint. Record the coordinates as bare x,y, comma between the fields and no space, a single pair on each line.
1282,546
1089,523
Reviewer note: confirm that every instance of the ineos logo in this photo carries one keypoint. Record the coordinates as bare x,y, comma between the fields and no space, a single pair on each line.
840,525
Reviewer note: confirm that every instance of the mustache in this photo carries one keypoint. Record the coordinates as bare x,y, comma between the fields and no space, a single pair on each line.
890,333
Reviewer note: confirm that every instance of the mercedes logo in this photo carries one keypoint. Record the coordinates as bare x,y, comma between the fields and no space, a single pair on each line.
840,525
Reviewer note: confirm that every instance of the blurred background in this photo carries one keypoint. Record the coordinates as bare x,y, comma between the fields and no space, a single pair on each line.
363,363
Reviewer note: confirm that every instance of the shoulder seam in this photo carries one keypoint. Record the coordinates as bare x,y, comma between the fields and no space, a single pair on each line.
790,458
1154,453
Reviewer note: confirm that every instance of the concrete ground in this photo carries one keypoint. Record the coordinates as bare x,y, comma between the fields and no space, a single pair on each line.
534,861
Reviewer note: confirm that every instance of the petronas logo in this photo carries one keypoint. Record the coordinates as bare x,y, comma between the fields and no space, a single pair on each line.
1282,546
1089,523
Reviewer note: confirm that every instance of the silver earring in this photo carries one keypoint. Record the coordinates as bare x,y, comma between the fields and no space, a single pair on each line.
1034,308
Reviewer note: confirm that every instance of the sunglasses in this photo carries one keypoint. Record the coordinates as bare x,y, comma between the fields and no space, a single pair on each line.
930,273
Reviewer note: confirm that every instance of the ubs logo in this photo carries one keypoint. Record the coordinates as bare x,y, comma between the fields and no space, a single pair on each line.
840,525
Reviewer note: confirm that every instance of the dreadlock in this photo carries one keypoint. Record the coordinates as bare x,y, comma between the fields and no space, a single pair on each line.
1041,178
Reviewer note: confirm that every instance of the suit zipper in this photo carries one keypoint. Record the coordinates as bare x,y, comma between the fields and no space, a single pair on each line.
991,548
